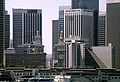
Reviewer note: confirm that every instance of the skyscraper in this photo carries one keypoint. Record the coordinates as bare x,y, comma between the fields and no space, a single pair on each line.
61,18
2,26
78,30
101,29
85,4
92,5
79,23
7,29
113,28
26,23
54,36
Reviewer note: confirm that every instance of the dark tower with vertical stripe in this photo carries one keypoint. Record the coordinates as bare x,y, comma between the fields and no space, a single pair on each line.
2,25
26,23
7,30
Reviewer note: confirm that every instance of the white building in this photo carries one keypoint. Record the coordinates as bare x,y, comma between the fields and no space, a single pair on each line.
78,22
75,52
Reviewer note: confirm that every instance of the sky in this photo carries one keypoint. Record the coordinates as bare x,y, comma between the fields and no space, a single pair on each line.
50,10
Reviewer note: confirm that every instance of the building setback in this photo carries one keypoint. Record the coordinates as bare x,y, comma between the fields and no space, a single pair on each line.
26,22
2,26
113,28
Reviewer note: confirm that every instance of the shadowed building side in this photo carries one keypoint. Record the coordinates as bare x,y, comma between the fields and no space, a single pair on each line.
2,30
7,30
113,28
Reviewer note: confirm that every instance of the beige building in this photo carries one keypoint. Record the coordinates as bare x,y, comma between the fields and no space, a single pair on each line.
106,54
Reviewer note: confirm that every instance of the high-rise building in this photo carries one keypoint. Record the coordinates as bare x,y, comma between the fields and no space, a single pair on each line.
2,26
92,5
61,18
79,23
54,36
7,30
78,29
113,28
26,23
101,28
54,32
85,4
57,27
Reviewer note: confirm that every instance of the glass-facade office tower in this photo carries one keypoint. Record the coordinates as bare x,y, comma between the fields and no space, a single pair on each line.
92,5
7,29
61,18
2,26
85,4
113,28
26,23
101,28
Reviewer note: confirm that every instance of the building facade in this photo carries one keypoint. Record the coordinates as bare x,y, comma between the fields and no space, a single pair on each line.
61,18
26,22
106,54
92,5
7,30
75,52
113,28
60,53
85,4
55,37
2,31
27,55
57,28
101,28
78,33
79,23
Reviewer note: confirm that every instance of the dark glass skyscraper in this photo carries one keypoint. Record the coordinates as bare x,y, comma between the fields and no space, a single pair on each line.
7,30
2,25
92,5
61,18
85,4
113,28
26,23
54,36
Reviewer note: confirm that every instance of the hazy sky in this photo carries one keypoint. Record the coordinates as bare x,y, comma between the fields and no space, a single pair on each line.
50,10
